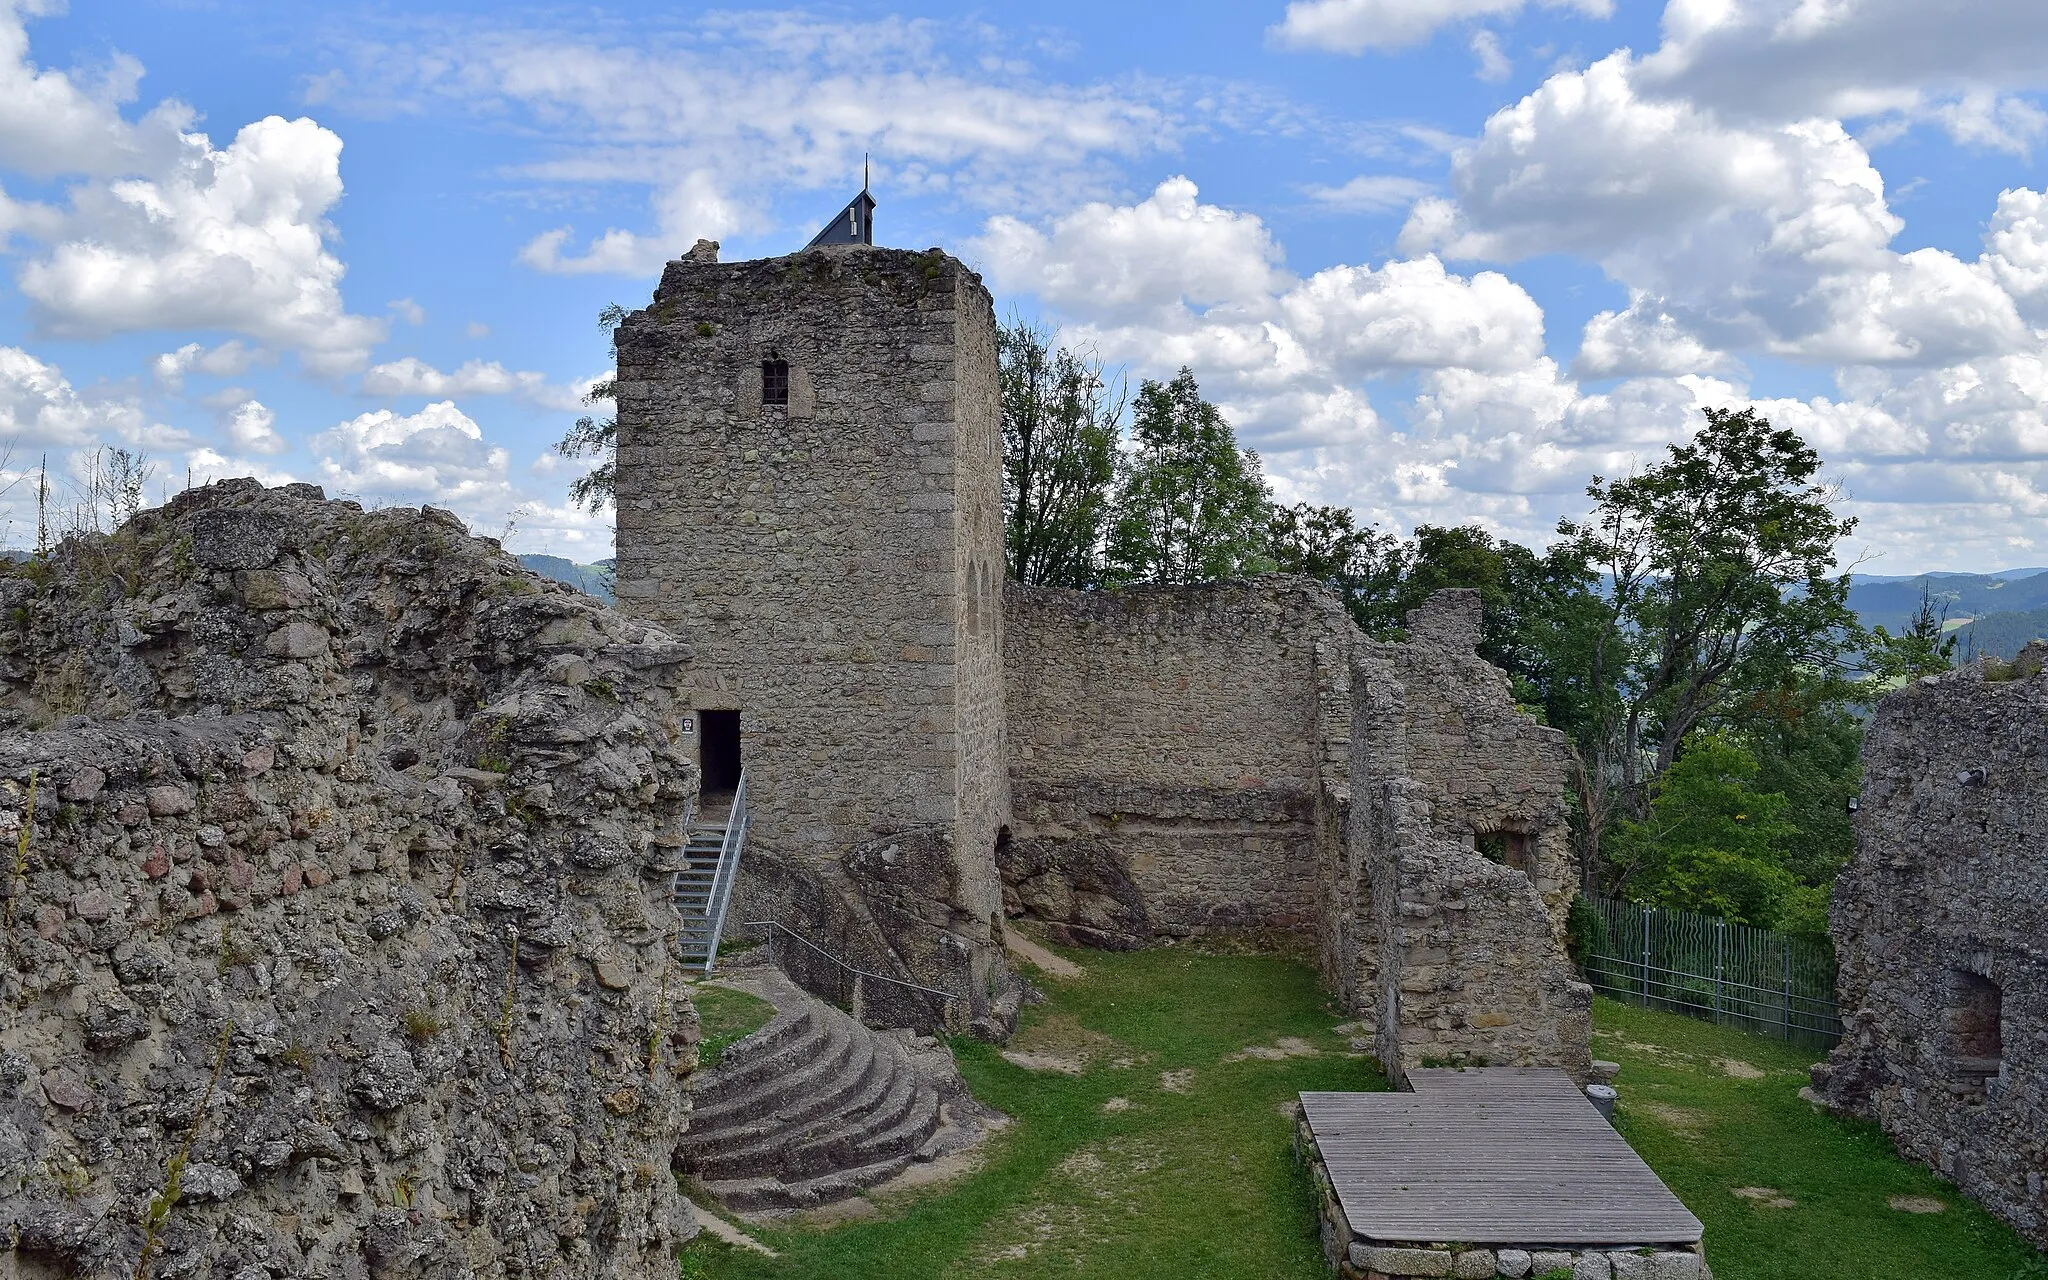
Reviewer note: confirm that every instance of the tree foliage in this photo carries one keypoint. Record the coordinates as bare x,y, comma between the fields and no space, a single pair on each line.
1190,505
1721,595
1715,841
1362,566
594,437
1923,647
1061,420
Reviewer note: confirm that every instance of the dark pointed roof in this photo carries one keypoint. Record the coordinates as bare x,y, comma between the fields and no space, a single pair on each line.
855,224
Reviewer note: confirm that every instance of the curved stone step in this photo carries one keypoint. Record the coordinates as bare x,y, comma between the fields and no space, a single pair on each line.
815,1107
769,1195
776,1130
819,1146
784,1029
813,1065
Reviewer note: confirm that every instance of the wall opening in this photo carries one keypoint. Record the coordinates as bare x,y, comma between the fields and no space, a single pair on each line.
1976,1036
1515,849
720,738
775,380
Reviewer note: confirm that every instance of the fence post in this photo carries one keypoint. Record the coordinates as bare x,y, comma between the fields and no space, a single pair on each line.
1786,945
1720,961
1647,913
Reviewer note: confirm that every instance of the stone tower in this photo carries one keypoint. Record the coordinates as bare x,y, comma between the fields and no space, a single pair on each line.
810,492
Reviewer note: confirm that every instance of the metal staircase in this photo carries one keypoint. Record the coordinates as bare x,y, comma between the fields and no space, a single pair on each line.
703,886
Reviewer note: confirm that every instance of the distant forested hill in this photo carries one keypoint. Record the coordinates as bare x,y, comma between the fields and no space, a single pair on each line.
2005,610
1997,612
591,579
2001,635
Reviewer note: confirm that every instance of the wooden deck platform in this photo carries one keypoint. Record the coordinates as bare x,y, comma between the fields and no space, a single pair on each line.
1490,1156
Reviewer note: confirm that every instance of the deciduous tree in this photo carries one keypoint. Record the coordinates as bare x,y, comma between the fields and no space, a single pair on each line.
1721,589
1190,505
1061,420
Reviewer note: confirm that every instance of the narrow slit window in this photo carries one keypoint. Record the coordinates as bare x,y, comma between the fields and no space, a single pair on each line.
774,381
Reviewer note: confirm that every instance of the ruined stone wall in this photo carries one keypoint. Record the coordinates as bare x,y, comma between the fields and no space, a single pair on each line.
1236,755
1167,756
1459,957
1467,966
835,562
1940,925
341,891
1494,777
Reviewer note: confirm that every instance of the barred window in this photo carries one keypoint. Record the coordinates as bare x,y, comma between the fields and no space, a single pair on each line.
774,381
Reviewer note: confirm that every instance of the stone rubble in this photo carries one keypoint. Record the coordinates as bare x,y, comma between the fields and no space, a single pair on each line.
341,892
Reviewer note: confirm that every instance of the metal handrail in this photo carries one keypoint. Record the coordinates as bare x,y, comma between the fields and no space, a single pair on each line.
675,879
727,869
852,969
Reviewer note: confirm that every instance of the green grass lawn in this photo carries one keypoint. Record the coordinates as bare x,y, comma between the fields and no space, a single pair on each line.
1111,1173
1715,1110
724,1017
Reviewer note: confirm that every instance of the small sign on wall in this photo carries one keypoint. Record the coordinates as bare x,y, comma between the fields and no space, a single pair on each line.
689,724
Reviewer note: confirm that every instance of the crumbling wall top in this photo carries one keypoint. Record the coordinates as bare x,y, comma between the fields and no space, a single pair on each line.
1450,619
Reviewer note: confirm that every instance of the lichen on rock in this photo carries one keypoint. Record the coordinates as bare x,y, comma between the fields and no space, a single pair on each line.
336,932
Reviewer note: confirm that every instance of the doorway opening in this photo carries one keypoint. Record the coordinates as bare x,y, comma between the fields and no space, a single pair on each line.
720,751
1975,1034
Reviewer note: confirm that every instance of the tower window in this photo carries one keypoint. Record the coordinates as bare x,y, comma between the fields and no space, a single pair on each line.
774,381
1515,849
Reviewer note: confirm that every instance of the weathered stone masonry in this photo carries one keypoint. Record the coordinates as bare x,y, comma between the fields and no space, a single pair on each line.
837,561
1237,755
1458,955
302,773
1133,765
1167,757
1941,928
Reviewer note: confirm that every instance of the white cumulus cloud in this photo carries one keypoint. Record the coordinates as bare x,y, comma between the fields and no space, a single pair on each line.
225,361
252,428
1773,238
412,376
53,122
226,239
438,455
1355,321
1354,26
166,231
1779,60
719,118
39,406
1167,252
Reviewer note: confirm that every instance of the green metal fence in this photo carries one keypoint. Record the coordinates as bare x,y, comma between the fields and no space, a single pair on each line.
1734,974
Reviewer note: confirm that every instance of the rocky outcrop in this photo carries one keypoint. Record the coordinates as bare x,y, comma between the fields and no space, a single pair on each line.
336,937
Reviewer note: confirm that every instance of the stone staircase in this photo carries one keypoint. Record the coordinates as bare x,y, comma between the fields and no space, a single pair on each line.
702,886
815,1108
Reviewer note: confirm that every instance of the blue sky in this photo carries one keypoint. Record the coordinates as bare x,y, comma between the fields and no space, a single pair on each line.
1440,260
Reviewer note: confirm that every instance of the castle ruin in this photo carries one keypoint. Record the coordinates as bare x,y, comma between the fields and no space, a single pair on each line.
809,489
1941,928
